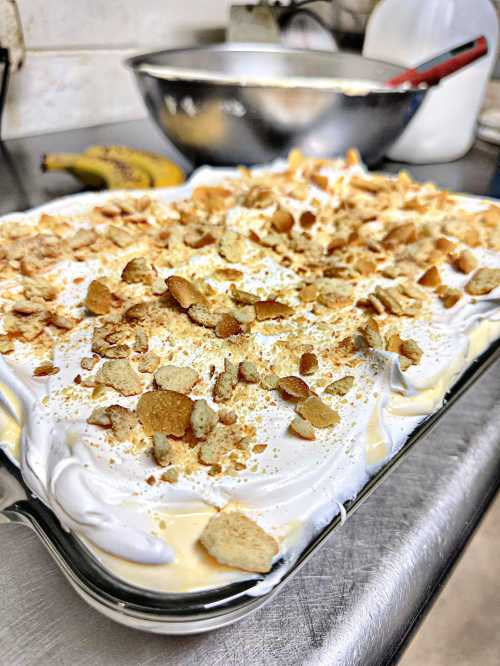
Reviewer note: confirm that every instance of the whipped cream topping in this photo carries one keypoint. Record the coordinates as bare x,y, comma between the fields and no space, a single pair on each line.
293,488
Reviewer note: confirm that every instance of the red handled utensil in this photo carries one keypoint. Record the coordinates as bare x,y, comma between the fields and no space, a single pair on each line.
432,71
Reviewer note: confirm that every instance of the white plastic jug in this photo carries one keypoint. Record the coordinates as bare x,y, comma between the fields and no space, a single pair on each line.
408,32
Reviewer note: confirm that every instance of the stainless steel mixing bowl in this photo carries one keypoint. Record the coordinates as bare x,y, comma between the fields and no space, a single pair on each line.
248,103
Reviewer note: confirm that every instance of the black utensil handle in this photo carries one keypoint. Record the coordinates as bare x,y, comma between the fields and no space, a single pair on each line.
5,61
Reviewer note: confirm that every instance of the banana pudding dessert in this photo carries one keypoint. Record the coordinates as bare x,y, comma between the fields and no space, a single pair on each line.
196,380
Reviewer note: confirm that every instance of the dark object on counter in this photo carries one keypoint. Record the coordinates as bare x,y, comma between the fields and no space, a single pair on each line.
4,82
233,104
494,188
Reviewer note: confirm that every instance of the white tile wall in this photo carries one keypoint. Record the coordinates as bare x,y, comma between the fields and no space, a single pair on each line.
50,24
57,91
73,75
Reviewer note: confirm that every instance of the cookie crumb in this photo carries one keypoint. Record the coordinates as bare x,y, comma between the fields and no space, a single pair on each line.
431,277
308,363
237,541
98,299
203,419
248,372
317,413
341,386
302,428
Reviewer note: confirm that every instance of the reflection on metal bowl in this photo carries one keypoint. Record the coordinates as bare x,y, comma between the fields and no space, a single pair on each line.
245,104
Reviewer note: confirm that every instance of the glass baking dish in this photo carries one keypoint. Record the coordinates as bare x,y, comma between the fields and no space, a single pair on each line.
188,612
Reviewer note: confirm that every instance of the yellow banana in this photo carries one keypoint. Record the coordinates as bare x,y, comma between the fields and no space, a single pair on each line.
163,172
98,171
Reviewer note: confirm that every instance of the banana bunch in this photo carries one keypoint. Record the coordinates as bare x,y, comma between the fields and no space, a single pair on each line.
116,168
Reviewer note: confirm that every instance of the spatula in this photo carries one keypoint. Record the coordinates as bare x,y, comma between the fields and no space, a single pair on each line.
432,71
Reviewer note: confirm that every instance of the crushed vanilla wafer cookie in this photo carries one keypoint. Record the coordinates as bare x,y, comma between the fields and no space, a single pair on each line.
138,270
269,382
236,540
177,379
202,316
341,386
308,363
226,381
99,417
371,334
449,296
45,369
98,299
123,422
167,412
227,326
431,277
243,297
120,375
120,236
302,428
293,388
6,344
256,344
162,449
483,281
465,261
227,416
184,292
171,475
272,310
231,246
248,372
220,442
148,362
317,413
141,341
203,419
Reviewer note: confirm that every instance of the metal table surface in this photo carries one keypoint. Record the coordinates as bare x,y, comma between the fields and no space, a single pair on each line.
358,599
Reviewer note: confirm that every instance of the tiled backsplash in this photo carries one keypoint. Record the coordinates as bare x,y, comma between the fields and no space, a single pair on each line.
73,74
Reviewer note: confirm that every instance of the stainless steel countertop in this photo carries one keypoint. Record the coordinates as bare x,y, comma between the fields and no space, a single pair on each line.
359,598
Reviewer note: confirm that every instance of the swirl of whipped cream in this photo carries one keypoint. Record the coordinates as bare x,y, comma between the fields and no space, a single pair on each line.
66,479
468,314
420,390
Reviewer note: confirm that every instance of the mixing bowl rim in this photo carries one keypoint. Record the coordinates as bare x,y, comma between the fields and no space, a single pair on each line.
319,83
